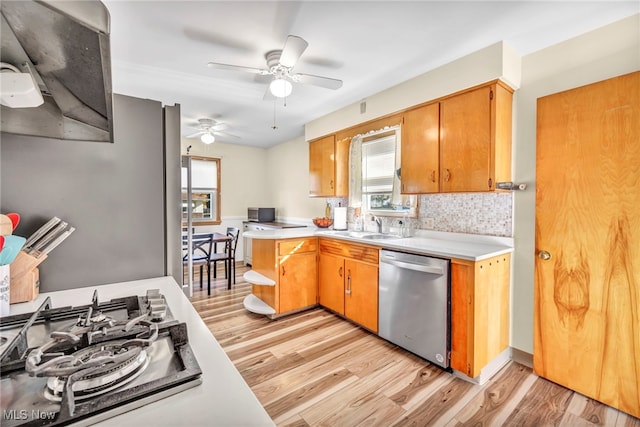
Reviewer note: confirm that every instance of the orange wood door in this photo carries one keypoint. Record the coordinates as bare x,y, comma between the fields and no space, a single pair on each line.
298,281
587,268
361,293
465,141
420,153
322,167
331,282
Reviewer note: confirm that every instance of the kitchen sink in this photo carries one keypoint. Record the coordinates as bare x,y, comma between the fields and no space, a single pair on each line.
366,235
379,236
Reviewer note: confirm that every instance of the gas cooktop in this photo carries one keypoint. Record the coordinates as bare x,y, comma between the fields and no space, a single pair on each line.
84,364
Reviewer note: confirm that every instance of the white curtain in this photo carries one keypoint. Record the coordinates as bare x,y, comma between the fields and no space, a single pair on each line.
396,197
355,172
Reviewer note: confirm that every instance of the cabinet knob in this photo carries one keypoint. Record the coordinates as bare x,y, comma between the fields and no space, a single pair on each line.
447,175
433,176
544,255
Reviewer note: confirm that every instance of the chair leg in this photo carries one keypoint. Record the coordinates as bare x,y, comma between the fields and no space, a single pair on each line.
200,276
233,261
215,269
209,279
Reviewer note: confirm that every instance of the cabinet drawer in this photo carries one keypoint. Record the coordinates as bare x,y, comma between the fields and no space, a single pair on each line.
291,246
350,250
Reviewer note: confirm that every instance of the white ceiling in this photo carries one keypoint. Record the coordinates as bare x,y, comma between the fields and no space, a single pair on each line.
160,49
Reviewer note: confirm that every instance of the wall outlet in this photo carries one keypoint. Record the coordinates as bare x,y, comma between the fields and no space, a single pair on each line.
429,223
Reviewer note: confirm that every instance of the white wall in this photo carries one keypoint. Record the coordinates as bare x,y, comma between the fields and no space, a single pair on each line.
288,166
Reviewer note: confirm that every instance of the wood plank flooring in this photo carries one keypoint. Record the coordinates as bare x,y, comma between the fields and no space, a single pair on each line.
316,369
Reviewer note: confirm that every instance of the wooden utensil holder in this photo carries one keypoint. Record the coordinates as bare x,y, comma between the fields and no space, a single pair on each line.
24,278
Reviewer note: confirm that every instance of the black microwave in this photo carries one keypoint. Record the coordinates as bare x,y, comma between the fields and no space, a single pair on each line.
261,214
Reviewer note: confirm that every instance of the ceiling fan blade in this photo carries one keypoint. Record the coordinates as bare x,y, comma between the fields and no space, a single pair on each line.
325,82
225,135
292,50
194,134
227,67
219,126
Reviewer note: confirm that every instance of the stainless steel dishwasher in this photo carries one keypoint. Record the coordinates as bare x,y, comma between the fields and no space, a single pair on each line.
414,304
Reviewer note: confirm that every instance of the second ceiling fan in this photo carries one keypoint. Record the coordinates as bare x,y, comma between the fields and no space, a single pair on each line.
280,65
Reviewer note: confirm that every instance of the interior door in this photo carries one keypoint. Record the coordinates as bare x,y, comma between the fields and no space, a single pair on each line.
587,268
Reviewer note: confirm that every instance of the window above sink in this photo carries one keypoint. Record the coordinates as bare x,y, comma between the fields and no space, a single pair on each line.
375,175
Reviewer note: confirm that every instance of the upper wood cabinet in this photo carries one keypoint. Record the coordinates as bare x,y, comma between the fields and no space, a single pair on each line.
328,167
420,153
475,139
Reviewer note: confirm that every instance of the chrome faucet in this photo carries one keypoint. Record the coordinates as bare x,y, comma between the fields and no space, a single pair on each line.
378,223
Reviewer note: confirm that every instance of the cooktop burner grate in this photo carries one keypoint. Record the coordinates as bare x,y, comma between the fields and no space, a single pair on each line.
68,365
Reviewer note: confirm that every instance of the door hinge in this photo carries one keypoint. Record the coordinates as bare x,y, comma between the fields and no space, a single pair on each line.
490,183
491,95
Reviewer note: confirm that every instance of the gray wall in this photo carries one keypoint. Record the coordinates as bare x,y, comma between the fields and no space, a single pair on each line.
112,193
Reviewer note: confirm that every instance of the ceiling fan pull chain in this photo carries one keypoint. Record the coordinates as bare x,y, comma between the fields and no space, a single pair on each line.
274,127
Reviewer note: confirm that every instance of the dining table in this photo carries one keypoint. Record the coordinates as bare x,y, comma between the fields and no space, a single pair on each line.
200,239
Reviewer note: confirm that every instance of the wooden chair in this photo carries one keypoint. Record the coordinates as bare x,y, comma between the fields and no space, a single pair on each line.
202,245
228,256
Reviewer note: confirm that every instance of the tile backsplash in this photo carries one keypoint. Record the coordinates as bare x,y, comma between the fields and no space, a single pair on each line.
472,213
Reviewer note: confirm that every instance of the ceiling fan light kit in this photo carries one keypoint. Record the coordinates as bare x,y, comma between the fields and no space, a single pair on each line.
280,88
207,138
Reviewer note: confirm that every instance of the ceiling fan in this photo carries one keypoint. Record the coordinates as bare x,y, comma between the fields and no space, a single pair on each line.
208,129
280,65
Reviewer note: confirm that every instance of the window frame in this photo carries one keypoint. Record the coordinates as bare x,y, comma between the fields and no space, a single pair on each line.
217,220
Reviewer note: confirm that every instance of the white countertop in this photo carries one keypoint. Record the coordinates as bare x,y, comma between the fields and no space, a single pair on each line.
472,247
223,398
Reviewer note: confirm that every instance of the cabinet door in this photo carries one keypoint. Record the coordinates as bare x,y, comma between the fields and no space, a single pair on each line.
420,154
322,167
331,282
465,141
361,293
297,281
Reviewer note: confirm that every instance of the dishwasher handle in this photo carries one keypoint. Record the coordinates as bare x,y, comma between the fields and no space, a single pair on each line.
434,269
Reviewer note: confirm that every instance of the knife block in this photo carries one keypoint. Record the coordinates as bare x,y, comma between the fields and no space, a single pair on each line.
24,278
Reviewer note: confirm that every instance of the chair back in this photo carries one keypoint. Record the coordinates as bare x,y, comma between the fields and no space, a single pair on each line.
234,232
201,247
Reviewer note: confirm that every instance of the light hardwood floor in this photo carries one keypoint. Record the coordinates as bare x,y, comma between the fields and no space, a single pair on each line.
315,369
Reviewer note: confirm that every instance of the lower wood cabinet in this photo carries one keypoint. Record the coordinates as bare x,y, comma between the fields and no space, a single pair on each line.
348,281
479,312
292,264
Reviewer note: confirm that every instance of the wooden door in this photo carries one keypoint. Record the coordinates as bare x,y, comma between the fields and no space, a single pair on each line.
331,282
322,167
298,281
361,293
420,153
465,141
587,268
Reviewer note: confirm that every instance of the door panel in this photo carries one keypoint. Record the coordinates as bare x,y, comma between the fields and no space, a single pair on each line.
361,303
298,283
331,282
465,141
587,289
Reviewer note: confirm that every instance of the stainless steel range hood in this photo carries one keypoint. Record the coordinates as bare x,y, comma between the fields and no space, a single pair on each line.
66,46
